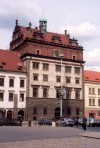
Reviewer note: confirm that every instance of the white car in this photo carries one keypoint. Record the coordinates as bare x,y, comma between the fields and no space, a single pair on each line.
65,122
90,122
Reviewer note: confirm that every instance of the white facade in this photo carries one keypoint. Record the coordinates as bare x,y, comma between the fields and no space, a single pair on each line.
92,99
52,83
13,96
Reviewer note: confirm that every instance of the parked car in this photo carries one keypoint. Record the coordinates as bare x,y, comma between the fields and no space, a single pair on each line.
65,122
97,122
80,121
93,122
45,121
11,122
1,122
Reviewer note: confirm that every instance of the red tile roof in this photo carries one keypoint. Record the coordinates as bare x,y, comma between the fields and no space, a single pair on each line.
47,36
10,61
92,76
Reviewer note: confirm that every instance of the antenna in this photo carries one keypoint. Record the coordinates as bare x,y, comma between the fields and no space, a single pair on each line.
42,13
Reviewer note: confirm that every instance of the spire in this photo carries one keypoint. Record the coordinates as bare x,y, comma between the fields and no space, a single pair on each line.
16,22
30,25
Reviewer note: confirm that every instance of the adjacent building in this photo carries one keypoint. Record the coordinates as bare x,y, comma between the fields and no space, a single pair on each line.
55,67
12,85
92,93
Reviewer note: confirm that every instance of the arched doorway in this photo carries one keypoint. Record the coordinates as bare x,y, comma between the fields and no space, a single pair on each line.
57,113
9,114
21,114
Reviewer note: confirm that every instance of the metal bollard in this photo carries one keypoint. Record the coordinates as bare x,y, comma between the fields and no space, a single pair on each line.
29,123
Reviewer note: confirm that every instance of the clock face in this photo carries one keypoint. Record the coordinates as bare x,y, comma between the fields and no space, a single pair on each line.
56,53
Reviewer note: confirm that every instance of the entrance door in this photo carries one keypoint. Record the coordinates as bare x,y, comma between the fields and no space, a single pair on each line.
57,113
9,114
21,114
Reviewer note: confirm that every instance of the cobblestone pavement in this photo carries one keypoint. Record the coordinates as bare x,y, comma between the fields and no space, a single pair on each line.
77,142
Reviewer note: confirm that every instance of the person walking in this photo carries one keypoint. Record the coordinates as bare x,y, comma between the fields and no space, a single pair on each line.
84,123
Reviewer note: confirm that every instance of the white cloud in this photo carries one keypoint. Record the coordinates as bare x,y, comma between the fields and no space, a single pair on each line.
5,39
24,10
84,31
20,9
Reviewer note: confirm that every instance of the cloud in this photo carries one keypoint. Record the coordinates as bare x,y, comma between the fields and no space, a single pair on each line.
24,10
88,36
5,38
84,31
21,9
93,57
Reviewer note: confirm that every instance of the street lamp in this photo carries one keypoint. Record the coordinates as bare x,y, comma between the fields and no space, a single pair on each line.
61,88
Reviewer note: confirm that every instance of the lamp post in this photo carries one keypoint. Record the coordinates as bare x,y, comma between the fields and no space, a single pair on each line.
61,88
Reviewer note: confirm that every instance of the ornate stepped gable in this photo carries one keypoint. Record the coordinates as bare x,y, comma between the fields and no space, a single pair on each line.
21,33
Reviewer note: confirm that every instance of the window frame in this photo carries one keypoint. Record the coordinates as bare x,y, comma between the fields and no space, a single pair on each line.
1,81
22,83
11,82
22,97
2,97
11,96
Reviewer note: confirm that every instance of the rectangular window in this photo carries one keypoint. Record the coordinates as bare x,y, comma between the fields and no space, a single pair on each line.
98,102
11,95
68,111
45,92
68,93
77,111
35,92
34,110
57,93
89,90
68,80
77,94
91,102
98,91
45,78
21,83
45,111
68,69
22,97
45,66
77,80
35,77
1,81
58,78
11,82
74,57
77,70
58,68
1,96
93,91
36,65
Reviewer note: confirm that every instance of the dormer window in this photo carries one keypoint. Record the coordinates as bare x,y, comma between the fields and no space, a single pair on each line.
1,66
20,66
3,63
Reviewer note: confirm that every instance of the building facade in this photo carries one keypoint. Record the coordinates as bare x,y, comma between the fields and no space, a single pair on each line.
12,85
55,67
92,93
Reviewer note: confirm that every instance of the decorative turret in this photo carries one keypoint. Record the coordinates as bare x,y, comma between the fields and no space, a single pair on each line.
43,25
16,23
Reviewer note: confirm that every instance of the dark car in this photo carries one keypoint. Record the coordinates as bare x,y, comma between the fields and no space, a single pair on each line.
11,122
1,122
45,122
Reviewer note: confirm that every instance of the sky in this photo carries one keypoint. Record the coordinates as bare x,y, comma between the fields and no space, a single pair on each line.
81,19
